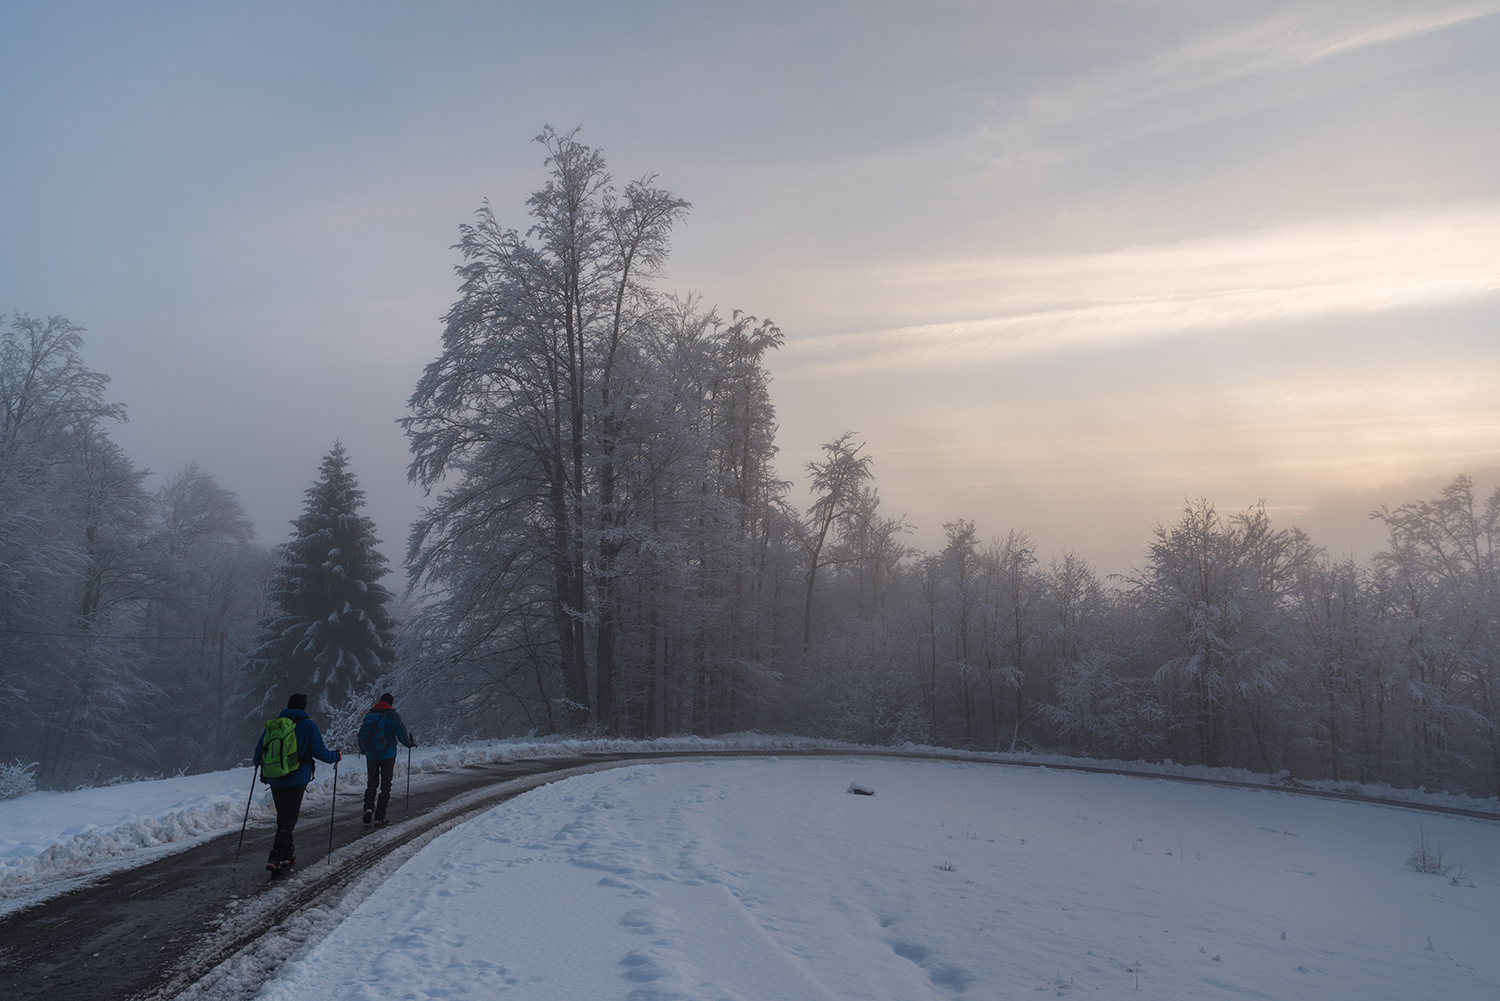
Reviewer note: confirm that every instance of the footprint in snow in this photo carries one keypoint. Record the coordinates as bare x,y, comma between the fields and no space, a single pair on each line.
649,921
944,975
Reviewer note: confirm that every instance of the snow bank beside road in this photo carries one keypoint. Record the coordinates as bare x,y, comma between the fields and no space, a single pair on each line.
511,750
49,839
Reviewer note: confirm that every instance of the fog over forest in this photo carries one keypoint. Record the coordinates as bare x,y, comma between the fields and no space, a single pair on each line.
610,548
1105,379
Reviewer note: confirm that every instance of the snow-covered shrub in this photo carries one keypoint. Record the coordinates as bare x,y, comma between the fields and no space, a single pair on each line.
873,698
1426,855
342,731
1102,710
17,779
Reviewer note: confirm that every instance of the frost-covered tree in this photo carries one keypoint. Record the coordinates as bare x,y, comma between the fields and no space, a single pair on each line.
704,529
596,555
838,481
867,558
331,634
94,709
51,406
1442,577
1345,669
1213,588
1013,592
523,410
74,562
206,606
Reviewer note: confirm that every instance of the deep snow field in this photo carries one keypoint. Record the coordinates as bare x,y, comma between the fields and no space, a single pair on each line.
760,879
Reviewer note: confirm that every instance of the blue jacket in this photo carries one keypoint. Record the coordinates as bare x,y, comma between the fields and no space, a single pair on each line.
309,746
394,718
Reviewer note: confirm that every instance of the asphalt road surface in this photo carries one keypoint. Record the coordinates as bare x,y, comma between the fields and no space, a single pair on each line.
125,935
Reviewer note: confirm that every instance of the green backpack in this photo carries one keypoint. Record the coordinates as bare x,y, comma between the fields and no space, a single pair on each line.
278,749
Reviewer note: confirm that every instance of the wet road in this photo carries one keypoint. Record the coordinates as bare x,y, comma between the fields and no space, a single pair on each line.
123,936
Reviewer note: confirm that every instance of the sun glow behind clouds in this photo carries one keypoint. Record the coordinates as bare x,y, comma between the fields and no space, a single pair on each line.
1091,463
1015,306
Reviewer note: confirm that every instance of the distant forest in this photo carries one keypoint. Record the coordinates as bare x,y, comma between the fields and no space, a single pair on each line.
609,549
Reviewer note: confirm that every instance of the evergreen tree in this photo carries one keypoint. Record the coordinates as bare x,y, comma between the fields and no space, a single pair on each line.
331,635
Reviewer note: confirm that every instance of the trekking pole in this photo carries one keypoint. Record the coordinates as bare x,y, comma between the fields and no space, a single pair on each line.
333,807
254,773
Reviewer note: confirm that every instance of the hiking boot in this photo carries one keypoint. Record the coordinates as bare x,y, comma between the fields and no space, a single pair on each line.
369,815
381,822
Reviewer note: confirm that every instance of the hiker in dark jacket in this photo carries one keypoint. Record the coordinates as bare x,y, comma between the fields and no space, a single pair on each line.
378,737
287,791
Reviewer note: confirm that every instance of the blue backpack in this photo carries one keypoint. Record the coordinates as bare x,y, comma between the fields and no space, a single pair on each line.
377,733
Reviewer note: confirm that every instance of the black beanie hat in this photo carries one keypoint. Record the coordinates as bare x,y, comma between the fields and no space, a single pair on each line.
298,701
388,699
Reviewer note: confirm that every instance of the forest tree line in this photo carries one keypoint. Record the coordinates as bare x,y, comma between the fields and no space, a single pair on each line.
144,631
608,548
113,597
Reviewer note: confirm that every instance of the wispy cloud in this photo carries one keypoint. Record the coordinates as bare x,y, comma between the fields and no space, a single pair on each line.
1290,39
989,309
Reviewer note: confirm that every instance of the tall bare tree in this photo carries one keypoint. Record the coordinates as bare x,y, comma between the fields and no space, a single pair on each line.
837,481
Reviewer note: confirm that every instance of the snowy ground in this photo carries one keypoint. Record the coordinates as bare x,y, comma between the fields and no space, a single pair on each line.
760,879
50,842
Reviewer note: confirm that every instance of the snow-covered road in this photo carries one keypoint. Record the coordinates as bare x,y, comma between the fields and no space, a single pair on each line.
765,879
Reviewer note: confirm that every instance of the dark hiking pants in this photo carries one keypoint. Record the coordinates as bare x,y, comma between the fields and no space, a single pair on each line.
288,800
380,771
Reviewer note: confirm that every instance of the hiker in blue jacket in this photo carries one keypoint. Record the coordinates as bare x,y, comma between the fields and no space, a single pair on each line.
379,735
287,791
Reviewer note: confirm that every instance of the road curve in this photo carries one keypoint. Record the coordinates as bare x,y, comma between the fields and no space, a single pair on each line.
151,933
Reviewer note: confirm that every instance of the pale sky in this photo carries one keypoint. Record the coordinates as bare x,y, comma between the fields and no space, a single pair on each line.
1062,264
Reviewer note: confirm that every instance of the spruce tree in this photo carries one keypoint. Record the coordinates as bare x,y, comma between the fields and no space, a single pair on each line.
331,634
